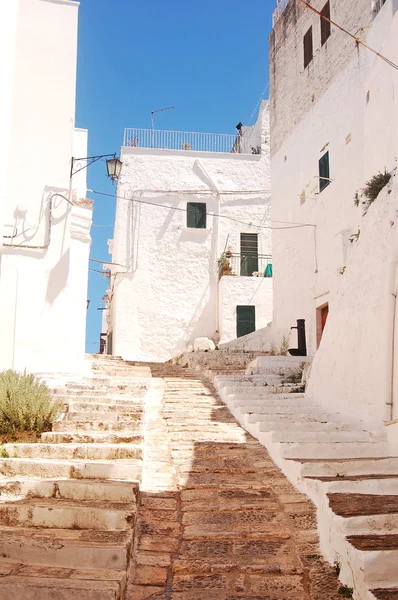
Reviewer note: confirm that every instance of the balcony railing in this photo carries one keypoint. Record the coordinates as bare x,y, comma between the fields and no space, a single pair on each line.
197,142
245,265
280,7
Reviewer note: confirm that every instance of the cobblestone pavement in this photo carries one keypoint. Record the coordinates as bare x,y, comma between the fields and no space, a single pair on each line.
217,519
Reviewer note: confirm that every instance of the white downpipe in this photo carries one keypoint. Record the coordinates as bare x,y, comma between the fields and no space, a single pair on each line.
390,325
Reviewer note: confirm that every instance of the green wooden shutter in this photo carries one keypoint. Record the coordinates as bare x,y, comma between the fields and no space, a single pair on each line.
324,172
245,320
196,215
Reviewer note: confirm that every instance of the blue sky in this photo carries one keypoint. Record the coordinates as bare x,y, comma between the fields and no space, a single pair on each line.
208,59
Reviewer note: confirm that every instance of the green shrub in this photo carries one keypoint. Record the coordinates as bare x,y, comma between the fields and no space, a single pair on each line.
26,404
374,186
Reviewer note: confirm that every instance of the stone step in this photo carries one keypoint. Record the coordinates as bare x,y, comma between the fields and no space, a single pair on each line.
376,556
129,469
294,425
100,393
74,451
108,416
46,583
112,407
363,467
67,514
97,425
72,489
385,593
303,437
67,548
357,505
334,450
264,398
91,437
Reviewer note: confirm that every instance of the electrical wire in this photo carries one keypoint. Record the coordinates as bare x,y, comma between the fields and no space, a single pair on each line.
292,226
258,103
354,37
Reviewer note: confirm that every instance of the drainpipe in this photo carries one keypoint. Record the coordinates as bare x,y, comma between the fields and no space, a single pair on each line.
389,328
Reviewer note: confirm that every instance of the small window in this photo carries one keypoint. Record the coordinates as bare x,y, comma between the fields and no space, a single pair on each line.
196,215
308,48
324,172
245,320
325,24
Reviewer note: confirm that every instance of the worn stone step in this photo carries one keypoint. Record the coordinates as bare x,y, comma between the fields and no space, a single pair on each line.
364,467
68,548
46,583
263,398
303,437
104,416
72,489
355,505
376,556
125,469
385,593
300,426
98,425
67,514
126,407
334,450
91,437
102,451
106,392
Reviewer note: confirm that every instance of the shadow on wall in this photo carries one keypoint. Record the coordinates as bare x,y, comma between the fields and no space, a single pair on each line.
58,278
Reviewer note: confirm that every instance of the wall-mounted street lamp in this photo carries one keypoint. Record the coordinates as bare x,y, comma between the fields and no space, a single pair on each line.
113,165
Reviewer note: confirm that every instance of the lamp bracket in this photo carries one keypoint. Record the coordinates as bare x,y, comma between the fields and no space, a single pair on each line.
90,161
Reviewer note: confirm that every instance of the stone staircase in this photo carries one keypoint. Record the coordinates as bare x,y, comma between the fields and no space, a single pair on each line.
347,468
68,504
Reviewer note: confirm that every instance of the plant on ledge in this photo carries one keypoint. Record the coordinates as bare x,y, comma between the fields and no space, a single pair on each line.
224,266
374,186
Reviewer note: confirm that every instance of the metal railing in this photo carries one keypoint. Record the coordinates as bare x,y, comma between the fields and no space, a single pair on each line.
186,140
280,7
245,265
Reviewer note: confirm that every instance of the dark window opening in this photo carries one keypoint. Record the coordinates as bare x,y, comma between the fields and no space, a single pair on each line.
245,320
325,25
308,48
321,318
196,215
324,172
378,5
248,254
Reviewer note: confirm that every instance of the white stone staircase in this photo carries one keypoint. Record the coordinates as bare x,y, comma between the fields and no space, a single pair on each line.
347,468
68,504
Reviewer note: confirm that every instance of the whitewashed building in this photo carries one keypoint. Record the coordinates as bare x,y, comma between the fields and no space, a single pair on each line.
192,240
44,217
334,125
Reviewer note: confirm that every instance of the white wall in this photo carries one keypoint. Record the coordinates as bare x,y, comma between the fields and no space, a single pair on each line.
246,291
168,294
44,259
8,31
349,370
360,136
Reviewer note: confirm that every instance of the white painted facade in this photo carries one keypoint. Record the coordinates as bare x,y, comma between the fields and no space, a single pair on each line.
166,292
44,217
343,102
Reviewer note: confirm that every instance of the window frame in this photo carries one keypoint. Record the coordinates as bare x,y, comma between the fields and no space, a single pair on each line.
197,215
326,27
324,173
308,47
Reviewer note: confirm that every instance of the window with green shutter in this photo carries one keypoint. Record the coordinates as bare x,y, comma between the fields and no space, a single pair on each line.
245,320
324,172
196,215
